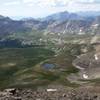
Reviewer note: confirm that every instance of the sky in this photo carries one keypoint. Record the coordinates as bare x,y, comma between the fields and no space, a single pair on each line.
42,8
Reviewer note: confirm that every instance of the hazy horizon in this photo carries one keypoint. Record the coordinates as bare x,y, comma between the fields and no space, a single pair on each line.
18,9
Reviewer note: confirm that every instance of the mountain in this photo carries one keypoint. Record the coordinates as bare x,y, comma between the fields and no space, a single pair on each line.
9,26
72,23
89,13
71,26
62,16
63,22
31,31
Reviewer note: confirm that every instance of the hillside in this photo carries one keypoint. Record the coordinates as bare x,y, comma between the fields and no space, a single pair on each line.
52,58
63,23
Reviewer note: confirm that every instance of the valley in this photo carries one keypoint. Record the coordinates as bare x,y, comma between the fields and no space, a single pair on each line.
48,64
50,55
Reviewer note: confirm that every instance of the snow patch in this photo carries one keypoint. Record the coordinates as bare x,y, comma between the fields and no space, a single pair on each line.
96,57
85,76
51,90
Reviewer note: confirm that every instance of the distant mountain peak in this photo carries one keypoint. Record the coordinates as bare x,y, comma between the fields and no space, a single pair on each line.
61,16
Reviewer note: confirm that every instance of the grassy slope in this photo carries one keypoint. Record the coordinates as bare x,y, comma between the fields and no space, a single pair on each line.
21,67
15,61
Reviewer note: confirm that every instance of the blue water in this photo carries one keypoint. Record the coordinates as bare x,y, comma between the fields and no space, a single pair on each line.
48,66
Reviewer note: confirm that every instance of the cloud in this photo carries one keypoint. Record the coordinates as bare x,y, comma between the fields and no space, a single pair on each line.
57,3
60,3
27,1
30,3
12,3
54,2
50,3
46,3
70,5
41,8
85,1
84,5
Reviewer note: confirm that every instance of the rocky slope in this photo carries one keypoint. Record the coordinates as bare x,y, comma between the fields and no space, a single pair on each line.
64,22
82,93
89,63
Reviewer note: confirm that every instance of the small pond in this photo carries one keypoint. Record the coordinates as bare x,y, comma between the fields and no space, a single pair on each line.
48,66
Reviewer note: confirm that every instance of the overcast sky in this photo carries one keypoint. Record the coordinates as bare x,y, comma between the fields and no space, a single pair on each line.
41,8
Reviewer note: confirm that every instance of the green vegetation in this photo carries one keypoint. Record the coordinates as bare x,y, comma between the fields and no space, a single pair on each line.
22,67
19,59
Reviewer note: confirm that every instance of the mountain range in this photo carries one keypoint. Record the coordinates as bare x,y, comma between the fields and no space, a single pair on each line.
63,23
